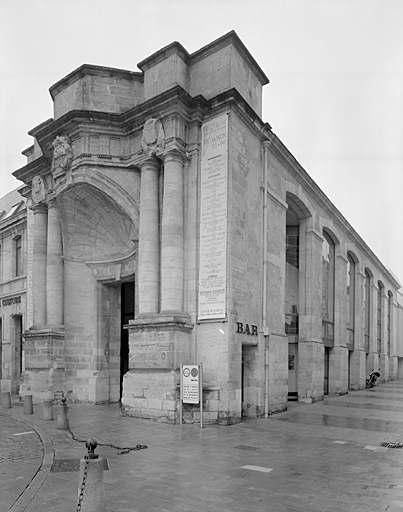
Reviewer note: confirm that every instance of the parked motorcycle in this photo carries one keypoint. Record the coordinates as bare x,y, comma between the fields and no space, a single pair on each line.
372,379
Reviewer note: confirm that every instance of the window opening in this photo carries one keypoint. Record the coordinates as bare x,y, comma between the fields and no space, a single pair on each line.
292,280
367,307
328,269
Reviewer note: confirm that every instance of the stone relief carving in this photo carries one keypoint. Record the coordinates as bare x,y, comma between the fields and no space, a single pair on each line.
62,155
38,190
153,138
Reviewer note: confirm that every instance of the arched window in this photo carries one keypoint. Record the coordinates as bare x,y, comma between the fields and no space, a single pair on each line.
350,300
390,302
328,264
379,318
367,306
292,280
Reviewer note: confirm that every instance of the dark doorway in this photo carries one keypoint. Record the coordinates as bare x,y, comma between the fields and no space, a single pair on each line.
326,368
242,383
127,313
1,348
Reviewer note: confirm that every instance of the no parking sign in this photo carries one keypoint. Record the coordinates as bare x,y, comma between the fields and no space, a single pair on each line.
191,388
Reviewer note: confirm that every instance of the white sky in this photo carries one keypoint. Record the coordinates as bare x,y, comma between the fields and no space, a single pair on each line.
334,98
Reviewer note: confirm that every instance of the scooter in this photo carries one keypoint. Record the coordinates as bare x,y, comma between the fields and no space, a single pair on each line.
372,379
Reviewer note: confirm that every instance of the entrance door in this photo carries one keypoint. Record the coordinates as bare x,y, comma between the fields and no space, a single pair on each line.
242,384
292,371
127,313
326,371
18,352
1,350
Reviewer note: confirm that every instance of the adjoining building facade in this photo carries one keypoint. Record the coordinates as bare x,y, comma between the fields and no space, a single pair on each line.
13,289
167,224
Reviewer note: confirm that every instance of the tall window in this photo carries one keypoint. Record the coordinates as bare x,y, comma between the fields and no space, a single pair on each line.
390,302
379,318
18,256
328,260
350,299
292,280
0,262
367,298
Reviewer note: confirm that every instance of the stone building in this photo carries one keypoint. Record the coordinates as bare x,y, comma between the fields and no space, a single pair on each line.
169,225
13,288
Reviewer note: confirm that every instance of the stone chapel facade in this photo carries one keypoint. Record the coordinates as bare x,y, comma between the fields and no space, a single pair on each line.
168,225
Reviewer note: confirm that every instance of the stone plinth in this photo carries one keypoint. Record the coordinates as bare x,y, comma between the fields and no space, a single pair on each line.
310,371
44,373
158,346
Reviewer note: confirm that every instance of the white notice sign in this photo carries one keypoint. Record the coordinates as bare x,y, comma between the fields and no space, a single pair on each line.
213,219
190,384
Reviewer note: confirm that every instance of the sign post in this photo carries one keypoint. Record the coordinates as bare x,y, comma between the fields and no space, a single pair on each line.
191,387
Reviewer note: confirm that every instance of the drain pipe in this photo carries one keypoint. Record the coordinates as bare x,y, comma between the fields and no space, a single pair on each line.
266,145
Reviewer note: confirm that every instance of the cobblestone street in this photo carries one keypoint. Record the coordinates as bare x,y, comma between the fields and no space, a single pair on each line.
21,454
324,457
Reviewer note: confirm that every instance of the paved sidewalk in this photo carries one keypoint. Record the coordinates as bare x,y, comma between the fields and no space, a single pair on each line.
323,457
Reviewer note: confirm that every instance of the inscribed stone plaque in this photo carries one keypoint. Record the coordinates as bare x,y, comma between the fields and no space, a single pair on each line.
213,219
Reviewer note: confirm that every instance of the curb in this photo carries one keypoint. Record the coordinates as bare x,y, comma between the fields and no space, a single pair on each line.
37,481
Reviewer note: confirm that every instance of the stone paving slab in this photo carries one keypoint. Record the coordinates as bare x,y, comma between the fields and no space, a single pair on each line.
295,461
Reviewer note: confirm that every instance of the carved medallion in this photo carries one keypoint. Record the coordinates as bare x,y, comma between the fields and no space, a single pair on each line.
62,155
153,138
38,190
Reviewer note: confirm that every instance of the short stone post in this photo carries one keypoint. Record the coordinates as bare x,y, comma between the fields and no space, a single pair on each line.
47,409
91,490
62,418
28,405
6,400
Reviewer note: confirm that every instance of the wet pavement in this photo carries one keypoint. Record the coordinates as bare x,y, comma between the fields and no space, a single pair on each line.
323,457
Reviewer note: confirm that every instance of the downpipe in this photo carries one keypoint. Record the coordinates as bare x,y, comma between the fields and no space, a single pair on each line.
265,327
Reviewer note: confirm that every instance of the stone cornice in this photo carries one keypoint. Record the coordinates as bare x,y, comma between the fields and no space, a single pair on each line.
39,166
225,40
230,37
89,69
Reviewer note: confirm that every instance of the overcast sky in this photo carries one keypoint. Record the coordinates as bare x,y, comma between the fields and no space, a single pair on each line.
334,98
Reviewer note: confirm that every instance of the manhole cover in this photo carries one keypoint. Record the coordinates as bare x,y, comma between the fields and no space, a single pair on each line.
64,465
245,447
392,445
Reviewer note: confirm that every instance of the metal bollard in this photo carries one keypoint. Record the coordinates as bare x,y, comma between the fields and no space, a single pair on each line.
47,410
6,400
62,418
28,405
91,490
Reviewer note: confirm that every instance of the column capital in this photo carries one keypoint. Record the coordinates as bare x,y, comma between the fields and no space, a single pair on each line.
39,208
52,203
175,154
150,161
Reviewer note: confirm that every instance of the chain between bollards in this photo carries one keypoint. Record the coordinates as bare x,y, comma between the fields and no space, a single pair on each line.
65,424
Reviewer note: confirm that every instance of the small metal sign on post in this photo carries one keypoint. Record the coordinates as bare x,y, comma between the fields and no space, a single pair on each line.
191,387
